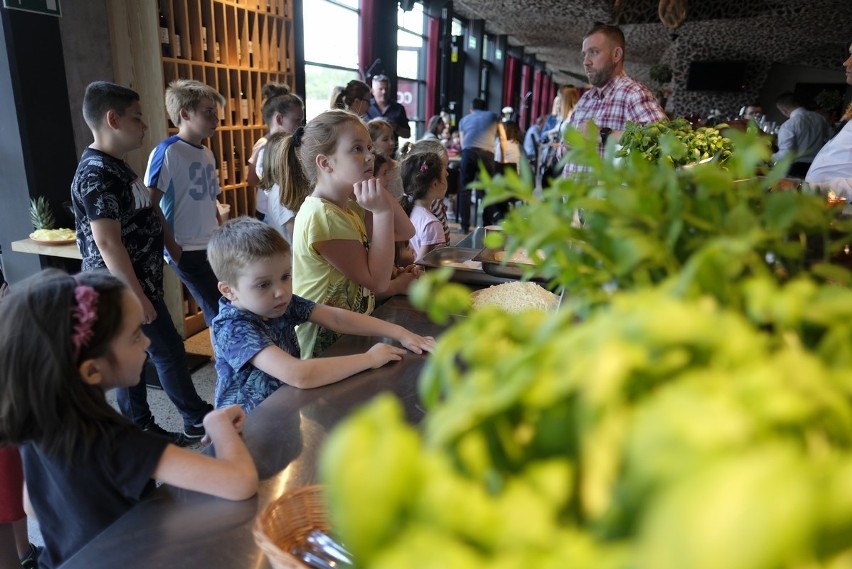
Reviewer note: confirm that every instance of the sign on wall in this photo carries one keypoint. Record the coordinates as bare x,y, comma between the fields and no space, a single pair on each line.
48,7
406,95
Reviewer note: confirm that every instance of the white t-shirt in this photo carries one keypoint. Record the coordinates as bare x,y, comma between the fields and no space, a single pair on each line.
276,214
186,174
832,166
427,229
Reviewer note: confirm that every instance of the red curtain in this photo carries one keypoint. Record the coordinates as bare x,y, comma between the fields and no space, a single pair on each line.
538,94
366,31
432,63
526,87
510,82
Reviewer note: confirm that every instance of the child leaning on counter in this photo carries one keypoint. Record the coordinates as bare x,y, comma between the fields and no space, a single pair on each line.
84,464
254,335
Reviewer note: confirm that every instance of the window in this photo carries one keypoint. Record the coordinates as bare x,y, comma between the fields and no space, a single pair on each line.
329,63
411,67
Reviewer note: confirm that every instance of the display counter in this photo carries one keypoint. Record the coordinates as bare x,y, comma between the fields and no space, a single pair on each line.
284,435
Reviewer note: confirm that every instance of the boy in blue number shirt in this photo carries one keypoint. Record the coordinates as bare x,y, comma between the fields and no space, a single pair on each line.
254,334
181,178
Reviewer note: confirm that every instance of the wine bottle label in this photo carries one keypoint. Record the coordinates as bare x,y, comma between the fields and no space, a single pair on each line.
239,51
225,170
244,109
178,51
218,53
164,35
203,38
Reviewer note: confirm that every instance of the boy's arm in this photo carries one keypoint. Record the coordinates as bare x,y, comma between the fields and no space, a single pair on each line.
356,324
175,250
107,235
316,372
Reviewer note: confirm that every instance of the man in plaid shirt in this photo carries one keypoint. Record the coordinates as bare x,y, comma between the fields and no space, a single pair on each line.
614,98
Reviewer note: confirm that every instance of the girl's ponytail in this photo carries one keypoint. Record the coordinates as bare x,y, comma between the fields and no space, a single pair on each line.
282,166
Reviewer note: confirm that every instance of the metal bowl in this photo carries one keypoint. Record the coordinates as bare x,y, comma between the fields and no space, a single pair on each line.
467,269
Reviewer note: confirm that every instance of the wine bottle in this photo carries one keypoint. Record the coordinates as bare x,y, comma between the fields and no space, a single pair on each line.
178,50
218,52
238,166
244,108
251,54
204,39
165,44
225,170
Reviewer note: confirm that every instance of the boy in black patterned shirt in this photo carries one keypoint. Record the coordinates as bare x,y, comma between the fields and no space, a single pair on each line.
117,229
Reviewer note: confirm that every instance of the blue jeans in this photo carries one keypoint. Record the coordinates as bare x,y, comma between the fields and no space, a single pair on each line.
469,172
169,357
195,272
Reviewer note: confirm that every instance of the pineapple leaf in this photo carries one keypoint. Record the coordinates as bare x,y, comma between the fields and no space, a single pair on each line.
41,215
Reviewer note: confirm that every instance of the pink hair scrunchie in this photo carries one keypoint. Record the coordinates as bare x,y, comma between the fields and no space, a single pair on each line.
85,314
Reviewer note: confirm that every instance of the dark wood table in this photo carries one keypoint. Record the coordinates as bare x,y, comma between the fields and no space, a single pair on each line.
179,528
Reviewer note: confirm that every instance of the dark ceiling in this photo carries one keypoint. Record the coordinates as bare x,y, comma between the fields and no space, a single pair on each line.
814,33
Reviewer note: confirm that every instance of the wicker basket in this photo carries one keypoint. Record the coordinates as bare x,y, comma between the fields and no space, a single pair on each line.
286,523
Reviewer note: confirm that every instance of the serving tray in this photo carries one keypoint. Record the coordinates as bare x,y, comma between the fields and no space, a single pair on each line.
467,269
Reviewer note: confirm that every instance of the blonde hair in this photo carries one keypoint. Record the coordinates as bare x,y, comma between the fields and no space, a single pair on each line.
423,146
377,127
320,137
290,160
188,94
281,165
239,242
568,97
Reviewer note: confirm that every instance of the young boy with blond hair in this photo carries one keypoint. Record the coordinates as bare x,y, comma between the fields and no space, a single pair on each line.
254,335
118,229
181,178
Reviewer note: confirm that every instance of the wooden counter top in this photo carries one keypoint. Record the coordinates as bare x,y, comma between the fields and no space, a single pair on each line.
69,251
284,435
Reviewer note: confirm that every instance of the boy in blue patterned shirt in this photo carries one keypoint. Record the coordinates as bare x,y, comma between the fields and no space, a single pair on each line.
254,335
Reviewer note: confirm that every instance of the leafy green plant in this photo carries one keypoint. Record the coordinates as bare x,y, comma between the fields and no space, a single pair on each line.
689,406
599,443
696,231
689,146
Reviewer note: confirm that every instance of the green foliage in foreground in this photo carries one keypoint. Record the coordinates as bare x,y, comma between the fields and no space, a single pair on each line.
659,433
689,408
697,231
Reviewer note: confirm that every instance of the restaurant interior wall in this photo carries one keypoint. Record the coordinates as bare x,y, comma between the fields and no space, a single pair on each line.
783,78
38,156
472,64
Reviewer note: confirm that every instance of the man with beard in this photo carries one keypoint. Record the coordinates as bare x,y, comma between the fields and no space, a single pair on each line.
832,167
614,98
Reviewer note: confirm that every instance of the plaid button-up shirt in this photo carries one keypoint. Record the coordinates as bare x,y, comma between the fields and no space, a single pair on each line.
621,100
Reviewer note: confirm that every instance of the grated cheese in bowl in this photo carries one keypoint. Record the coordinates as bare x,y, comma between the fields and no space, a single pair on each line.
515,297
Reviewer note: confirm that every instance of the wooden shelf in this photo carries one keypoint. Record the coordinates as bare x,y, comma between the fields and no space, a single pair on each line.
255,47
235,46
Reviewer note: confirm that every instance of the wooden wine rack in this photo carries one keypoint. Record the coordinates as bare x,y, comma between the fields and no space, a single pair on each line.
235,46
255,46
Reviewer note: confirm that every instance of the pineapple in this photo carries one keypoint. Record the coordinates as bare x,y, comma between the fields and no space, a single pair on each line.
40,214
